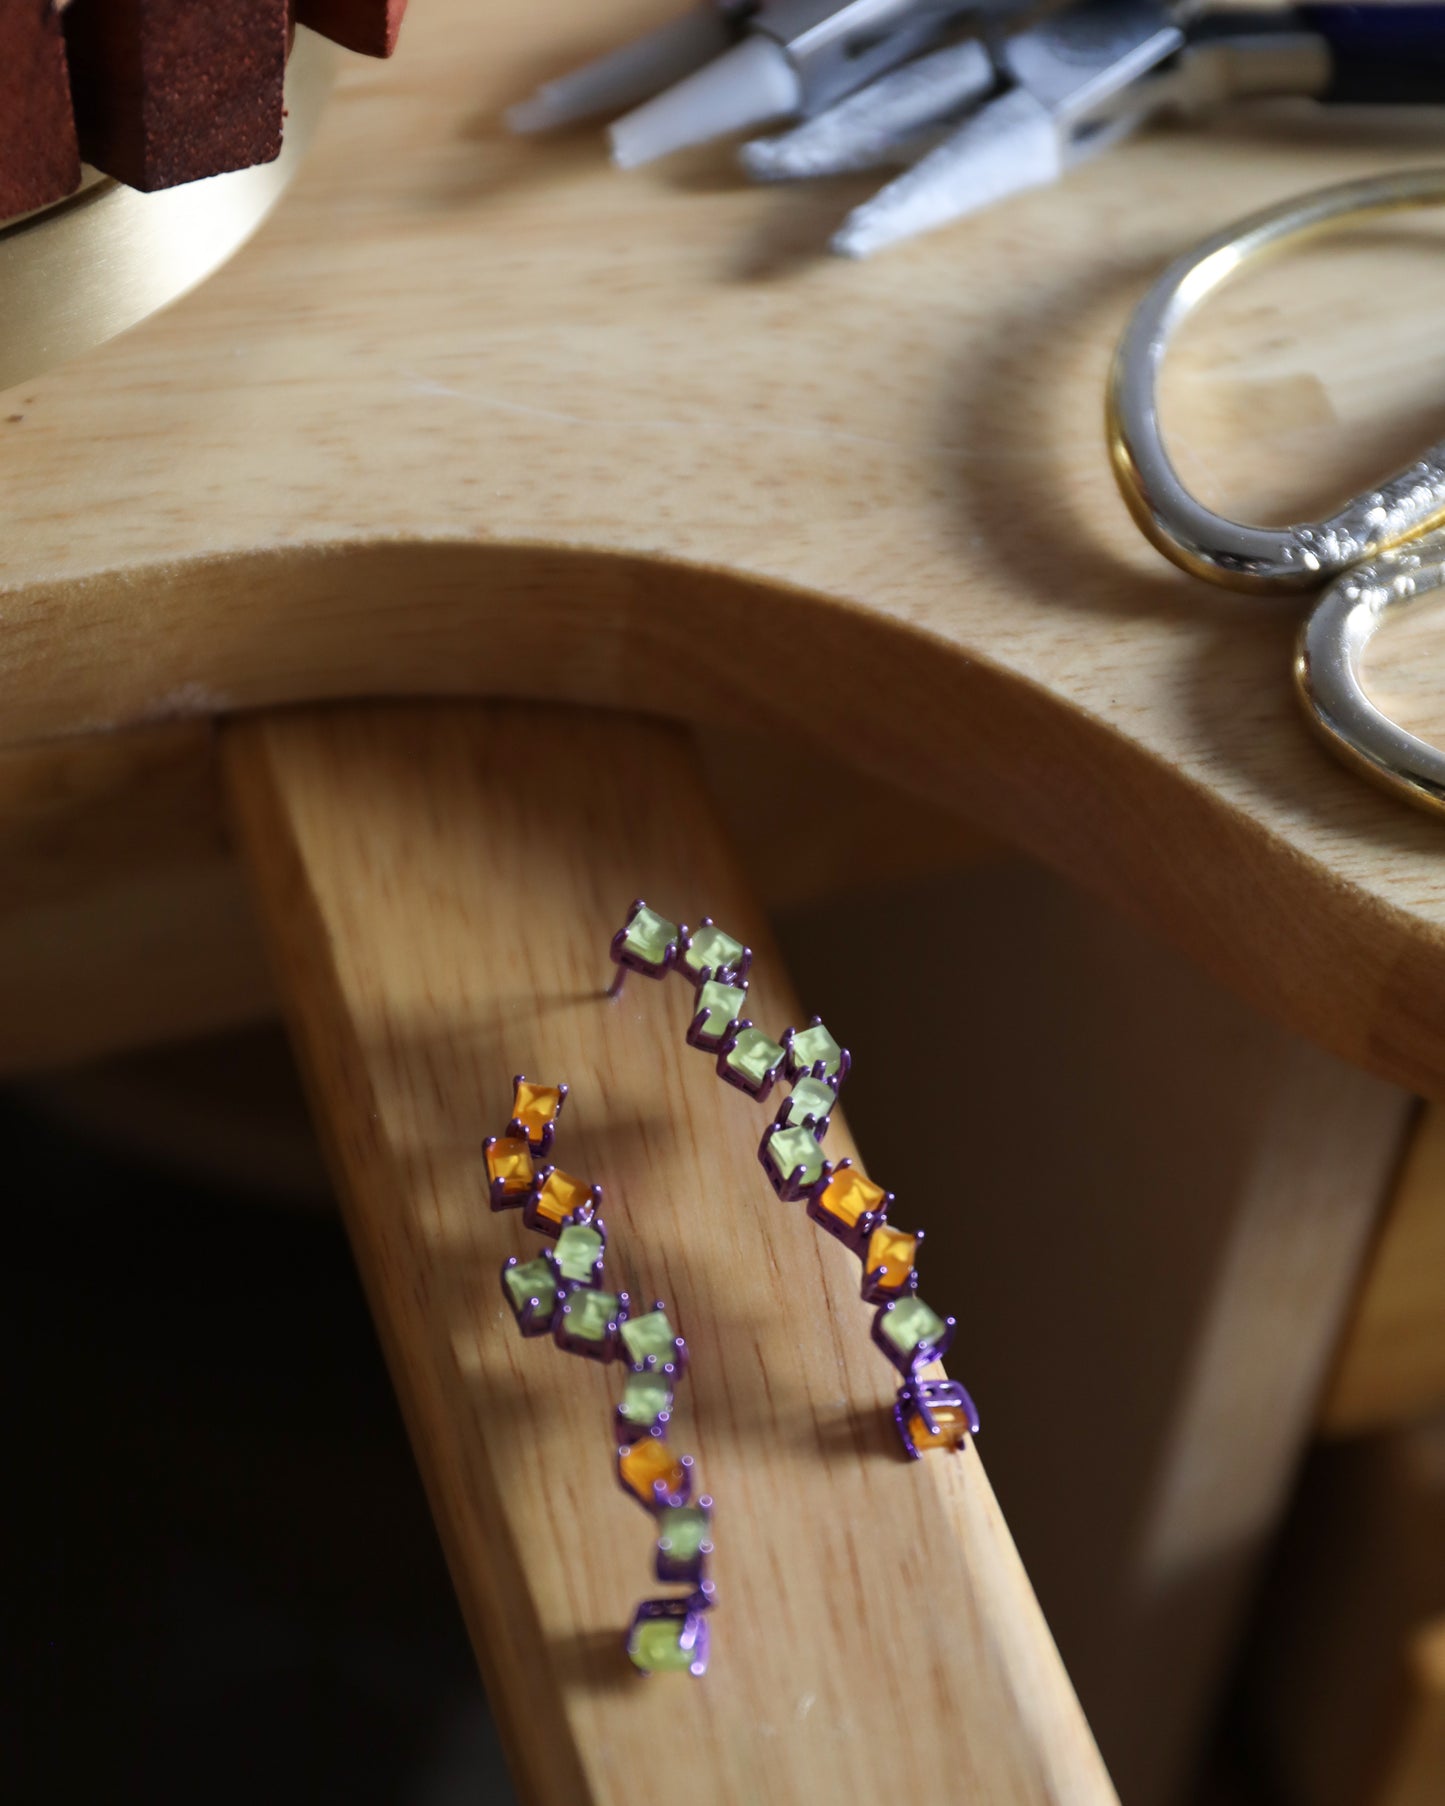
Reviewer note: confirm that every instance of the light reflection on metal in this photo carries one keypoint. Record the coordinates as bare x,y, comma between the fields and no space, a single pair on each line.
107,257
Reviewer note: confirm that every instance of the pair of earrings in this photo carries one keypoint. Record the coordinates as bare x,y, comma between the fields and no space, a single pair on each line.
562,1292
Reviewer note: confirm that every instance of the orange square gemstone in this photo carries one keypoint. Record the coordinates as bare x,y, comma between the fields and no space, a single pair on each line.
536,1107
510,1160
560,1195
953,1428
643,1463
848,1196
892,1250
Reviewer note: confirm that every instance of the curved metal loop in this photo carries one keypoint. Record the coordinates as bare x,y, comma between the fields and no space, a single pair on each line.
1184,530
1328,665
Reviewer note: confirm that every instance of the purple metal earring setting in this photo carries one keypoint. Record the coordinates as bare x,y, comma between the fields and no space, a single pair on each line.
562,1293
928,1413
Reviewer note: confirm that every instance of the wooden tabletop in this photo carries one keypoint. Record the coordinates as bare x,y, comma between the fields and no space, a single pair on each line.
875,1637
477,416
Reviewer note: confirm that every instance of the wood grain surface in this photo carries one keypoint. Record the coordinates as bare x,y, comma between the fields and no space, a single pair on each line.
479,416
1415,1775
123,919
1391,1363
876,1637
1344,1692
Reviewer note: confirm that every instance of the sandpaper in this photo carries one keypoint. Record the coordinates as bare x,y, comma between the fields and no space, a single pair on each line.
369,26
39,159
167,91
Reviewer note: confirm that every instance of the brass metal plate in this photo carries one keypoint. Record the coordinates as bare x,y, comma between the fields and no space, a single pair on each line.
76,274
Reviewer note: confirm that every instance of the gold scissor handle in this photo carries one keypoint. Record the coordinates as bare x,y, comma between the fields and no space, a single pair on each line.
1380,550
1209,544
1329,660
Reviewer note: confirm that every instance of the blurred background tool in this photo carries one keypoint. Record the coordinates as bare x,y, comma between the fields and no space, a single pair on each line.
734,66
881,123
1076,84
635,70
982,101
1066,90
795,58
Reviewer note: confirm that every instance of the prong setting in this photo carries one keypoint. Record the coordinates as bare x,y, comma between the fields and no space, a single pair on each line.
934,1414
836,1195
535,1112
562,1292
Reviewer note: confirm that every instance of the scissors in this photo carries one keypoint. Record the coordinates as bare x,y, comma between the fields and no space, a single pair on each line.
1382,551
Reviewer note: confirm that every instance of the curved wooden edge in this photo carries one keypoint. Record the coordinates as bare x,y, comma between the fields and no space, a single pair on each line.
1328,958
124,919
449,336
438,886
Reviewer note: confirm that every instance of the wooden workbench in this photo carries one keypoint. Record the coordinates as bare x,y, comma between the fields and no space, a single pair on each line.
460,381
476,418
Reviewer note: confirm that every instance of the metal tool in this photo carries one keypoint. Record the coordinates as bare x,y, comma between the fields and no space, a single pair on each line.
1381,551
795,58
886,122
1064,85
980,109
1079,83
630,74
1068,68
1069,89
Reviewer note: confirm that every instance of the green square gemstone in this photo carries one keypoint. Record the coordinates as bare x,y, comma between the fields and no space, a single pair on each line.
789,1149
650,1334
589,1313
754,1055
532,1279
811,1101
810,1045
644,1399
712,948
656,1646
723,1003
681,1532
578,1247
911,1323
649,936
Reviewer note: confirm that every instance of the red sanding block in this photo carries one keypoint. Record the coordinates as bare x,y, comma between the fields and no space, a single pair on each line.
39,160
167,91
369,26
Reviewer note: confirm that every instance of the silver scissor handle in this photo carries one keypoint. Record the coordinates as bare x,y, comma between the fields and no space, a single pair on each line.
1208,544
1329,660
